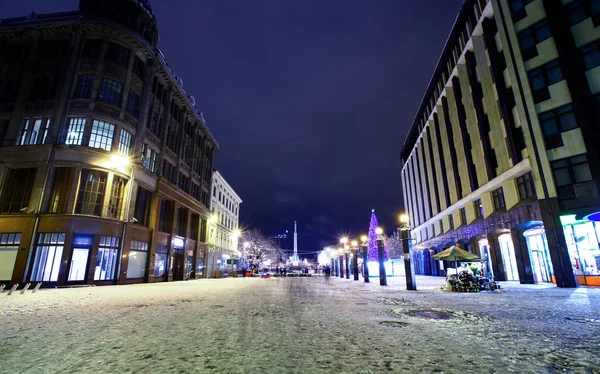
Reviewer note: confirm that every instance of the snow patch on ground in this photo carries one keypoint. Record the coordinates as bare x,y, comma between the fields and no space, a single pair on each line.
300,325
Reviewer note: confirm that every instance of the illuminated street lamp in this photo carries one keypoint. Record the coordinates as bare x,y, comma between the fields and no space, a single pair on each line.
344,242
364,243
340,256
404,229
354,255
380,257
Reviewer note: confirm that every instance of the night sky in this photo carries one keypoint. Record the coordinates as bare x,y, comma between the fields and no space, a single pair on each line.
309,100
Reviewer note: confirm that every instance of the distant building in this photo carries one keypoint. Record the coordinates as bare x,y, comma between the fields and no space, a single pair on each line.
223,227
503,156
106,164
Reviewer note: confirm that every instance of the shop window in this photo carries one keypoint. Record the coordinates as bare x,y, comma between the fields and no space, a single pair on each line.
582,244
61,190
111,91
149,156
543,77
75,132
580,10
84,86
525,186
531,37
92,48
9,247
160,261
124,142
16,192
102,135
48,257
133,103
498,198
90,198
556,121
115,201
138,254
165,215
143,202
106,261
34,131
568,173
118,54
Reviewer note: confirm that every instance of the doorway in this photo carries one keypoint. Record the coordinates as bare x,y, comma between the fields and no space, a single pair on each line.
80,258
507,251
540,258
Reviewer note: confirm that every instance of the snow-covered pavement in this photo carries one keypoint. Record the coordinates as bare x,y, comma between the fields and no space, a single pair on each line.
299,325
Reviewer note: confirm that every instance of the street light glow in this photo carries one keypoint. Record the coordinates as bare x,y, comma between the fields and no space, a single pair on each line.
379,231
364,238
354,243
404,218
237,233
344,240
212,219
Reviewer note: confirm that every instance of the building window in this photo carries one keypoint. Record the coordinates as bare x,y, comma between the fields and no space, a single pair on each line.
555,122
111,91
92,48
182,221
195,227
115,200
31,130
569,172
149,158
183,181
543,77
133,103
498,198
138,254
160,260
463,216
203,230
143,203
102,135
525,186
138,67
90,198
48,257
61,190
106,261
531,36
165,215
16,192
517,8
153,123
478,208
451,222
168,171
124,142
591,55
83,89
580,10
118,54
76,129
9,247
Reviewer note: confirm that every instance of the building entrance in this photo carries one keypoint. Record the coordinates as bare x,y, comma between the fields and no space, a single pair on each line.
540,258
508,257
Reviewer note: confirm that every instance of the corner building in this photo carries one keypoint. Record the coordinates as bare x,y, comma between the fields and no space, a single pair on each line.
502,158
106,164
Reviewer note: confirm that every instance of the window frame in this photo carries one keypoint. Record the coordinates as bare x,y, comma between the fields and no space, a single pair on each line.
111,91
102,135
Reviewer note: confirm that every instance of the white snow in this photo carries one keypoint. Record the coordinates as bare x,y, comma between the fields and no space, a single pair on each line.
299,325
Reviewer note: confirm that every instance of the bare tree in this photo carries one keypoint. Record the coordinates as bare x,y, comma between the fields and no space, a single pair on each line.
258,249
394,247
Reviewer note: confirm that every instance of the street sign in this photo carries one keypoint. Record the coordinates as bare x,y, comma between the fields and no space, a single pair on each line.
232,261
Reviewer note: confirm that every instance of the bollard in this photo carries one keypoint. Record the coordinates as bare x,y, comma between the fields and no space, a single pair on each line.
37,286
12,289
2,287
25,288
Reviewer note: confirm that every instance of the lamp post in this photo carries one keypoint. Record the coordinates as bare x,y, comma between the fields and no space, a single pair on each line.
404,229
354,255
344,242
364,244
382,277
340,252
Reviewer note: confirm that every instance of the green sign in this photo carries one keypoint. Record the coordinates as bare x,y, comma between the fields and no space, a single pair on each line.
232,261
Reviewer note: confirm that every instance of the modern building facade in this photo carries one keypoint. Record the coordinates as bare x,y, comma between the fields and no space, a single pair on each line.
223,228
502,156
106,164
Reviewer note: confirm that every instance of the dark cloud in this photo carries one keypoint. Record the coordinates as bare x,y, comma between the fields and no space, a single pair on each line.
285,88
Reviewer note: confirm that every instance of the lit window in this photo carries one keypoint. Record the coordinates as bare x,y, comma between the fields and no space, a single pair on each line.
9,247
30,132
75,133
106,260
138,252
124,142
149,158
102,135
48,257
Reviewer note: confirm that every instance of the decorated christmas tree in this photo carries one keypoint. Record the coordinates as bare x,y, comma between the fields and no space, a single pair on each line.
373,256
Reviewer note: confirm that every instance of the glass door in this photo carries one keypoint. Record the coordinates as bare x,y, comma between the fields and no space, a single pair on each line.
508,257
79,264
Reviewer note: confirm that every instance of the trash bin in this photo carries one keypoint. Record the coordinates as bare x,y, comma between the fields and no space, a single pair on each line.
217,273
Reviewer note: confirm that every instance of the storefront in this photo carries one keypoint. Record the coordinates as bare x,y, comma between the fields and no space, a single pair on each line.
582,237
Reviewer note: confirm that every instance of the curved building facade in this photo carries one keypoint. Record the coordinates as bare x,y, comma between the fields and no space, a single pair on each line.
106,162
